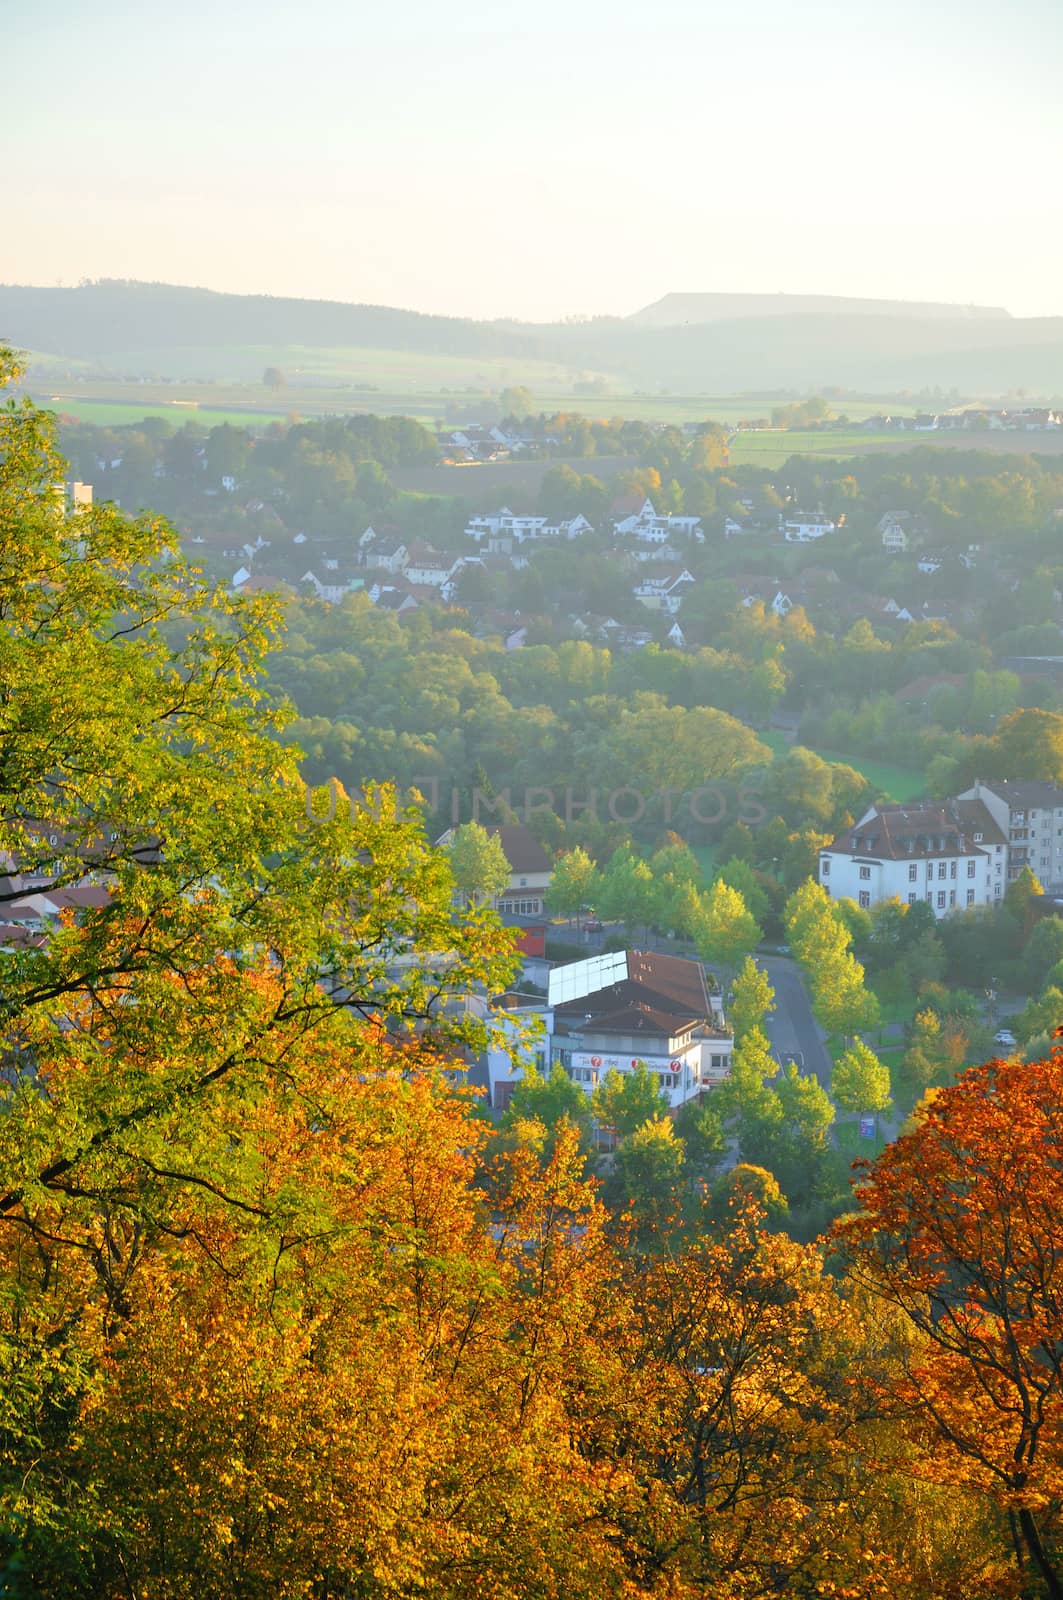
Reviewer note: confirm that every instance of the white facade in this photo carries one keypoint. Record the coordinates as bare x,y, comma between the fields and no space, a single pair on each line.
1031,817
922,855
802,529
684,1072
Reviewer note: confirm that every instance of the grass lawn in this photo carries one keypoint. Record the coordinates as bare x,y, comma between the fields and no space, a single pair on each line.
851,1145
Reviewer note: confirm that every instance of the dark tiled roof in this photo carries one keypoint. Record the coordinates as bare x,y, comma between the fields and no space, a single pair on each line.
903,832
522,849
661,995
1027,794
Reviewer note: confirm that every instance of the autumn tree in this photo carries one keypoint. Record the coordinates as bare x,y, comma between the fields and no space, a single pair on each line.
958,1228
168,1049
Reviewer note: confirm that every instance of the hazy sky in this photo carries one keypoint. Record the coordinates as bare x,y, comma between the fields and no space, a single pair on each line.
538,160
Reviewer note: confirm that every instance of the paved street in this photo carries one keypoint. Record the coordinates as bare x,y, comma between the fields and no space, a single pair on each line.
792,1028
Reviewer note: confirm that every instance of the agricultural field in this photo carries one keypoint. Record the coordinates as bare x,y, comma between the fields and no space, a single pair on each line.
772,448
120,414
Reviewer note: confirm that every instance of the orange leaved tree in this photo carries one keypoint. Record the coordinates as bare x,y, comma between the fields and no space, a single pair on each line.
961,1226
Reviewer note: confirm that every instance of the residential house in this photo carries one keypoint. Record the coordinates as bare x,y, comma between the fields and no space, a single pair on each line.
663,588
898,530
768,593
387,555
424,565
801,527
506,524
653,529
953,856
616,1011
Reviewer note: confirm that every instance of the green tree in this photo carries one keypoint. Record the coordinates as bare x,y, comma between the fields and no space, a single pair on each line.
273,378
700,1125
627,892
574,884
1040,1016
729,931
478,863
861,1082
625,1100
741,876
1029,744
752,999
551,1100
648,1178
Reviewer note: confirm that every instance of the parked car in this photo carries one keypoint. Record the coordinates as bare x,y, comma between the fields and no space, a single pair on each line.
1006,1039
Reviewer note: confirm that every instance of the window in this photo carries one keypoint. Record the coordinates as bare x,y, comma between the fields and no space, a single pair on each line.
930,897
865,872
942,868
996,891
824,866
865,897
930,869
941,899
978,838
952,869
911,899
970,897
912,870
952,897
971,866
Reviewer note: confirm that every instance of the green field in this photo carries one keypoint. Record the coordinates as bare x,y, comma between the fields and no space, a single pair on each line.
119,414
772,449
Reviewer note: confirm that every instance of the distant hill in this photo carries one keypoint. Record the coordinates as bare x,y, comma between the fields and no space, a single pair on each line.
676,310
792,342
94,319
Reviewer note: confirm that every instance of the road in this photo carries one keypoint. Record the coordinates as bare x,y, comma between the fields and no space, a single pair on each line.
792,1028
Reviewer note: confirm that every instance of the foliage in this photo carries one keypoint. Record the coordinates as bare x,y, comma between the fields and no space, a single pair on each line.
860,1081
958,1229
478,863
625,1100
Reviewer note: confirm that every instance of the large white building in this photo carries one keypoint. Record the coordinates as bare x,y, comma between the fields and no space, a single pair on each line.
613,1011
1030,815
507,525
952,856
